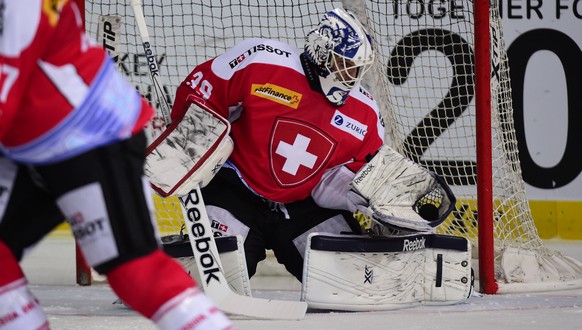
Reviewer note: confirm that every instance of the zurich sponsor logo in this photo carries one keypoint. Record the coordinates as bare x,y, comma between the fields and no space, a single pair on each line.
349,125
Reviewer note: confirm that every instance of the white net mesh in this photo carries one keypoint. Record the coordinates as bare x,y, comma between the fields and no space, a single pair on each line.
424,81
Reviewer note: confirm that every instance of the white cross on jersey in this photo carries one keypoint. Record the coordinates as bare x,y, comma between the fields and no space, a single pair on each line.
296,154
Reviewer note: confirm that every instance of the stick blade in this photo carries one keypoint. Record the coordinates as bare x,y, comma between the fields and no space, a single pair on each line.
261,308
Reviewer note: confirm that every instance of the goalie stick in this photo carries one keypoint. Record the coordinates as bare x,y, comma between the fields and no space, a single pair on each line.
202,241
151,59
211,274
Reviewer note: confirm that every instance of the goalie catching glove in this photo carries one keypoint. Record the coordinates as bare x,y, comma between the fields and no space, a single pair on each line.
400,194
190,151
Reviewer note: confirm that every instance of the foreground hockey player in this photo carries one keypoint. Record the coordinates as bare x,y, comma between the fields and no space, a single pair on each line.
71,133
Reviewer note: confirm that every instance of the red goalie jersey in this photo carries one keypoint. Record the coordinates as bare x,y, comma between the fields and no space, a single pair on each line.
59,92
286,133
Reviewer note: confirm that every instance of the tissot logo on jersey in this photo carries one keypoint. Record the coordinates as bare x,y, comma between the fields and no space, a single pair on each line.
257,48
349,125
218,227
237,60
277,94
82,228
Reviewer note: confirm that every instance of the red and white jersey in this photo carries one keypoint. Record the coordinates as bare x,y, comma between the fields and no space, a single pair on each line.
60,94
286,135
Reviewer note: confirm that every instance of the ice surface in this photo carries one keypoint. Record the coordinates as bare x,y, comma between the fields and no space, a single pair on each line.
51,271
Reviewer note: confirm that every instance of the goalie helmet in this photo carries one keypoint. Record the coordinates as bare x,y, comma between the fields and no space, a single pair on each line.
341,50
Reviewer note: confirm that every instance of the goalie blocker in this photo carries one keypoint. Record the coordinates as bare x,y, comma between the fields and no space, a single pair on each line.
360,273
190,151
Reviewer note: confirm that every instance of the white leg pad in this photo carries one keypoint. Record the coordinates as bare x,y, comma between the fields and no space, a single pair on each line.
19,308
190,310
232,257
360,273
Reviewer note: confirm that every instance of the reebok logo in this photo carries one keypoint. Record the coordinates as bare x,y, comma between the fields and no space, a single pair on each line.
202,236
150,58
365,172
412,245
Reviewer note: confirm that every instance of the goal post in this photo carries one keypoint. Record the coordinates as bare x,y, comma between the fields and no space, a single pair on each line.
485,228
442,81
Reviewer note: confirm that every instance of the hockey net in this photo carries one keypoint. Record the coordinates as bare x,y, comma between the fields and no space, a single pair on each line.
424,81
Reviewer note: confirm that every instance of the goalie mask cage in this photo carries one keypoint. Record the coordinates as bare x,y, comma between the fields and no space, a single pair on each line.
433,78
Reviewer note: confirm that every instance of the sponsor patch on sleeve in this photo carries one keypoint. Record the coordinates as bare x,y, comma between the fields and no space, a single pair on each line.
349,125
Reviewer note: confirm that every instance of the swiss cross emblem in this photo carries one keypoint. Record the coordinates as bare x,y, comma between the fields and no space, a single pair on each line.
297,151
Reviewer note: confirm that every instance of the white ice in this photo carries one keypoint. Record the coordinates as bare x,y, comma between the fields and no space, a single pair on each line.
50,269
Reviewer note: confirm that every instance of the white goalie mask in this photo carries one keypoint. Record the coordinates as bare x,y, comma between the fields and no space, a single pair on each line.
342,52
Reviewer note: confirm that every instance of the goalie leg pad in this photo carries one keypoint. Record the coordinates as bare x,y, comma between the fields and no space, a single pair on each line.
232,257
360,273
